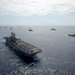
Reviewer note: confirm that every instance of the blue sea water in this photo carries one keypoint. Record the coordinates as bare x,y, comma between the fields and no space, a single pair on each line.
57,56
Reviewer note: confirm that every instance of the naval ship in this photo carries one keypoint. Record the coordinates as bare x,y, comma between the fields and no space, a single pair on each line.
20,46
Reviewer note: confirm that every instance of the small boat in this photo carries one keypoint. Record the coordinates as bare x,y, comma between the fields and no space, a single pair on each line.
30,29
5,27
10,28
53,29
19,27
73,35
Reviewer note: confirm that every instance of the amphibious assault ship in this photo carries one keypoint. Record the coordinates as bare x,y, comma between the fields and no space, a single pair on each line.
20,46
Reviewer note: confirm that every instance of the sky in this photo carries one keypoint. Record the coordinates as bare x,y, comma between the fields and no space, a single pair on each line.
37,12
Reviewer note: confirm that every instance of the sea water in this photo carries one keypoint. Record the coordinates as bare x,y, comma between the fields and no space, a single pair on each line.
57,56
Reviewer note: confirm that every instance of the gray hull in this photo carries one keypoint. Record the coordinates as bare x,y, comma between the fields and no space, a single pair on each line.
18,50
20,46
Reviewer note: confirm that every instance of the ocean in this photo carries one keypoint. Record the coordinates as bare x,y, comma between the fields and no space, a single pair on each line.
57,56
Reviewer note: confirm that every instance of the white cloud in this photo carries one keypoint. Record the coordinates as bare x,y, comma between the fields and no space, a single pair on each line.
38,7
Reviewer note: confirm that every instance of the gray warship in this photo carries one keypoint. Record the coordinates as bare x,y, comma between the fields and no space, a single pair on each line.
20,46
73,35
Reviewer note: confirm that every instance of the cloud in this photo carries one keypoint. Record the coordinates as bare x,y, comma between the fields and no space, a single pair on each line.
36,7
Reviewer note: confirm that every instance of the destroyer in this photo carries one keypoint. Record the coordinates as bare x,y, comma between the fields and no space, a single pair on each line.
20,46
53,29
73,35
30,29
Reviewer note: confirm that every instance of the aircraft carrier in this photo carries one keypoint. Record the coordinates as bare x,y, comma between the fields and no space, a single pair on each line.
20,46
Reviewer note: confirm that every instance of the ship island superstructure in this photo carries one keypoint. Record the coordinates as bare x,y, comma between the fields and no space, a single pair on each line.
20,46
